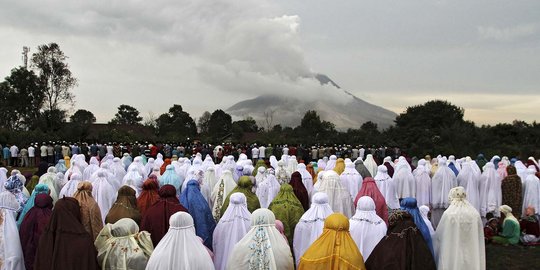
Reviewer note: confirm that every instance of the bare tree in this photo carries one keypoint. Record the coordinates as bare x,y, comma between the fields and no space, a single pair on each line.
268,121
150,120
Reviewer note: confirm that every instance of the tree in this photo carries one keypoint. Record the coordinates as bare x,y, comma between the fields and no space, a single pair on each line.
312,129
202,124
126,115
80,123
434,127
268,121
150,120
176,124
83,117
50,63
220,125
52,121
21,99
238,128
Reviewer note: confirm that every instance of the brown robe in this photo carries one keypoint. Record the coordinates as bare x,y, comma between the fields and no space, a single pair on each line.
65,244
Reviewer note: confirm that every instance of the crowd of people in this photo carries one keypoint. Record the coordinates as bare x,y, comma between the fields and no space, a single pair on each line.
250,207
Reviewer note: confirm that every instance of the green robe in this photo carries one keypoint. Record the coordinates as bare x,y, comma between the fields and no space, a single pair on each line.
288,209
510,233
32,182
244,186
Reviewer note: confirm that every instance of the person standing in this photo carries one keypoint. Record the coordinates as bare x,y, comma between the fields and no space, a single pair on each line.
5,155
32,156
14,153
23,157
50,153
255,153
57,152
262,152
43,152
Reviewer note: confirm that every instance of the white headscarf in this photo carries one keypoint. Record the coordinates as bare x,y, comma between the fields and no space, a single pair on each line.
159,160
371,165
468,180
180,248
423,183
231,228
351,180
385,184
263,247
366,227
210,178
273,162
11,252
122,246
49,179
91,169
307,180
331,163
311,224
126,161
490,190
197,165
118,172
149,167
207,163
137,163
404,180
321,163
267,189
338,197
3,178
133,178
70,187
292,165
443,180
222,188
424,210
103,192
531,192
74,169
459,239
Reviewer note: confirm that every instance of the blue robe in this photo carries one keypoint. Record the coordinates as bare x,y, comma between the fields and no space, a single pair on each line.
192,199
410,205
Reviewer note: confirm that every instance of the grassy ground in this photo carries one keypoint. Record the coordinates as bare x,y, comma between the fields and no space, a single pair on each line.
23,170
512,257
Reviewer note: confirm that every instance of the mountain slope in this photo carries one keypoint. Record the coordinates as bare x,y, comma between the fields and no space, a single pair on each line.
289,111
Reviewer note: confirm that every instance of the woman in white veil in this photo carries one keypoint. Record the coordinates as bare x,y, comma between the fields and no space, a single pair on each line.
263,247
460,232
180,248
231,228
371,165
311,224
366,227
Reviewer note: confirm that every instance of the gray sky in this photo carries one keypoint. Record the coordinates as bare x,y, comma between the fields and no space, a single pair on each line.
209,54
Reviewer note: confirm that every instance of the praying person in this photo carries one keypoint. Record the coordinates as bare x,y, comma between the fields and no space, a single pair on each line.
530,226
510,230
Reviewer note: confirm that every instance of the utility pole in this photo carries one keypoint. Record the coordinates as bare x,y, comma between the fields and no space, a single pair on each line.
25,52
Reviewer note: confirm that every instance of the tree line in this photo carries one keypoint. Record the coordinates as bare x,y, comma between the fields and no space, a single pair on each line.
35,100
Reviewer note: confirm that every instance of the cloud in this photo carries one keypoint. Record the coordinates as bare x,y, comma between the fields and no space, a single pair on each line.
507,33
242,46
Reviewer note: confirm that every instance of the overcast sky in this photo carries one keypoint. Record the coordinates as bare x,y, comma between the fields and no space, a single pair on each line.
209,54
